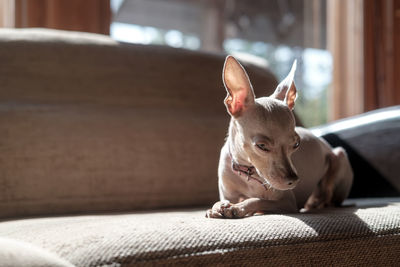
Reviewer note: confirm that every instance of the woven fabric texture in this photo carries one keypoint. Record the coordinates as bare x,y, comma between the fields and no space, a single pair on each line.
345,236
20,254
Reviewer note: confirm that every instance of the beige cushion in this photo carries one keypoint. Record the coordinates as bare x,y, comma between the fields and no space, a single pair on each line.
342,237
15,253
88,124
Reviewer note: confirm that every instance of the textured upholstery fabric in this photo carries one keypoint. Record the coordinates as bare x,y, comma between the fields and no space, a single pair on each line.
352,236
88,124
15,253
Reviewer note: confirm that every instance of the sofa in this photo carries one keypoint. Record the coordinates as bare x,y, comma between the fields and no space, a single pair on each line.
108,157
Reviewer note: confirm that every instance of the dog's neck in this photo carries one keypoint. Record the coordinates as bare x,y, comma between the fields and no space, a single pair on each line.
235,147
247,170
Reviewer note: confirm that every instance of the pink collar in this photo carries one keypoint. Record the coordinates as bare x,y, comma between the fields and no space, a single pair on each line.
247,170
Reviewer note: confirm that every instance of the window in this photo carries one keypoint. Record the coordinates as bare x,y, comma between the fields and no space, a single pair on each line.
272,33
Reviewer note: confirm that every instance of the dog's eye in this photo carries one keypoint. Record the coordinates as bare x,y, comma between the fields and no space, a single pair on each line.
296,145
262,146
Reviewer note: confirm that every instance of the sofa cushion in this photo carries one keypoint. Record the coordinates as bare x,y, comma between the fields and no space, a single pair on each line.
366,234
15,253
90,124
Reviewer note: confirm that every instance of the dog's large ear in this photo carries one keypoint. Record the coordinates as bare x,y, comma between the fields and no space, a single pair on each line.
286,91
237,84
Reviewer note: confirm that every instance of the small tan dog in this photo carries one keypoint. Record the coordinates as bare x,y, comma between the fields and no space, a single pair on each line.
268,165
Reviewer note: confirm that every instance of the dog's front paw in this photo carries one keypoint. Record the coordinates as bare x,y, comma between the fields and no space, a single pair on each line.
217,211
225,209
235,211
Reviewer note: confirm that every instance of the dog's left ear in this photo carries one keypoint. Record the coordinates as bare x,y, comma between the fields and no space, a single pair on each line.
286,91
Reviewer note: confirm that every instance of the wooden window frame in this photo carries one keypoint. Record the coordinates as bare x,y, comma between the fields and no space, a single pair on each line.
364,39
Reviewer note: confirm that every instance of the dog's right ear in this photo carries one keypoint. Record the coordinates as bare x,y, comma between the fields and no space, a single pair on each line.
237,84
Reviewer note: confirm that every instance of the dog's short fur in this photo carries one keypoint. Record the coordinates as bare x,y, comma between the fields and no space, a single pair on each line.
267,164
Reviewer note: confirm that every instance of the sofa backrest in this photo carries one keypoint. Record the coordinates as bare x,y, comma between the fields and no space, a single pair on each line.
88,124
